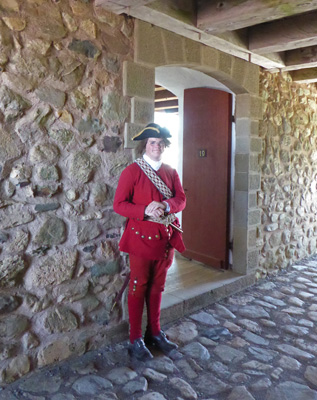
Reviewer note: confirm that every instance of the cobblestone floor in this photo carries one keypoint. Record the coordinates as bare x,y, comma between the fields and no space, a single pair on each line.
259,344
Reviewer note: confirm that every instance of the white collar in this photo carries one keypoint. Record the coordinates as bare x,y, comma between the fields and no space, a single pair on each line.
156,165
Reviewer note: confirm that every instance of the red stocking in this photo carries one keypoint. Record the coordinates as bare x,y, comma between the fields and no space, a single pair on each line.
153,305
135,305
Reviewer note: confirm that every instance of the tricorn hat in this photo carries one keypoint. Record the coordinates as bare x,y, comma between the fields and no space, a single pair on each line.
153,131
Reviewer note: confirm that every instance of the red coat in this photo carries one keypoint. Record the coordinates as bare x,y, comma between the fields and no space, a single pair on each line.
135,191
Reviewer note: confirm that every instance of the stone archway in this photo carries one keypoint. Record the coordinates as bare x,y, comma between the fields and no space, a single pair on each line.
157,47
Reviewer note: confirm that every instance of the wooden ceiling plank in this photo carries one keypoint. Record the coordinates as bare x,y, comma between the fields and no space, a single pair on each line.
227,15
305,75
287,34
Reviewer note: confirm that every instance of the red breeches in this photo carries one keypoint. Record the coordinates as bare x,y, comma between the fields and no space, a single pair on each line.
147,281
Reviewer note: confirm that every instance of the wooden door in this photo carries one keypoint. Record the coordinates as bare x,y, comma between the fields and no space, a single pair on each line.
206,175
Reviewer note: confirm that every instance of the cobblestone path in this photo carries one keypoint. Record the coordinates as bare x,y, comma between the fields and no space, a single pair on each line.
259,344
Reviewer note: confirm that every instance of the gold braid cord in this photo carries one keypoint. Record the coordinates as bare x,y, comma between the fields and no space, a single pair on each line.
161,187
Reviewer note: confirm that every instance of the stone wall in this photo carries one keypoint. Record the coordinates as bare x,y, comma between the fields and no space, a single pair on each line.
62,115
288,163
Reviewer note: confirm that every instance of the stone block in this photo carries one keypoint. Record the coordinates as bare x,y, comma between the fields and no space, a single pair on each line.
241,209
10,150
240,250
239,70
115,108
248,106
242,145
83,165
87,230
252,259
59,350
252,238
18,367
225,63
246,127
54,269
242,162
142,111
14,216
9,5
131,130
51,233
174,47
193,51
254,182
252,78
254,217
149,48
241,181
52,96
10,269
12,326
210,57
256,145
138,81
254,165
253,200
59,319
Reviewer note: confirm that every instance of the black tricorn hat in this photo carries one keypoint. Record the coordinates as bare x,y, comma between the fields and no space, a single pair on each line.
153,131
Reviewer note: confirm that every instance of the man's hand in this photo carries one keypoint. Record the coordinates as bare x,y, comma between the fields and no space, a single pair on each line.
155,209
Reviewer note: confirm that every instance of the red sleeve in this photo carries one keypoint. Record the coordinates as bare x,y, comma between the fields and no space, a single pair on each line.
178,201
122,203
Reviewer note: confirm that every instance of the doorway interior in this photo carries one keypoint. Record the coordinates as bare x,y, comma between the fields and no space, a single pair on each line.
189,278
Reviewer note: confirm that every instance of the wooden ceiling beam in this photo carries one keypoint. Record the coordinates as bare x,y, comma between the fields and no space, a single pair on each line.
164,95
121,6
305,75
287,34
227,15
305,57
163,105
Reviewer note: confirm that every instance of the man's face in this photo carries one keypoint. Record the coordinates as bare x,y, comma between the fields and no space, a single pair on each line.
154,148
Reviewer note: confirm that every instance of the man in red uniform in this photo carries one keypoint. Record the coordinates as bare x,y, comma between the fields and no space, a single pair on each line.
150,236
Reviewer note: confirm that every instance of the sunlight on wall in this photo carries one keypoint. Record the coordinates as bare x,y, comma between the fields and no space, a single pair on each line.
171,122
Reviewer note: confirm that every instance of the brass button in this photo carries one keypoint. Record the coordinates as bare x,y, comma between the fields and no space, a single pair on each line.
167,251
137,233
132,228
157,236
142,236
150,237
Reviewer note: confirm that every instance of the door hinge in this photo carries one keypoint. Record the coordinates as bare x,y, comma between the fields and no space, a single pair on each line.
233,120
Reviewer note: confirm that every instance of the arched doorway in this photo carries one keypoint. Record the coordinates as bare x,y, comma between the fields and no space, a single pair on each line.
239,76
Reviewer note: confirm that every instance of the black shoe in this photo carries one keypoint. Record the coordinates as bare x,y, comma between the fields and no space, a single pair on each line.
139,351
160,342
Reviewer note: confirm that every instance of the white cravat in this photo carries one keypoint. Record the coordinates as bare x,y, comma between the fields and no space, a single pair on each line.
156,165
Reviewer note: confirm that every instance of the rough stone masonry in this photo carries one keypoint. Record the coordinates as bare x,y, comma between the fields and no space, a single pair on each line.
61,121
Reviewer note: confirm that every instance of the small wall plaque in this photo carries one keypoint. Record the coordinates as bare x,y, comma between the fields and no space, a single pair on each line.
202,153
